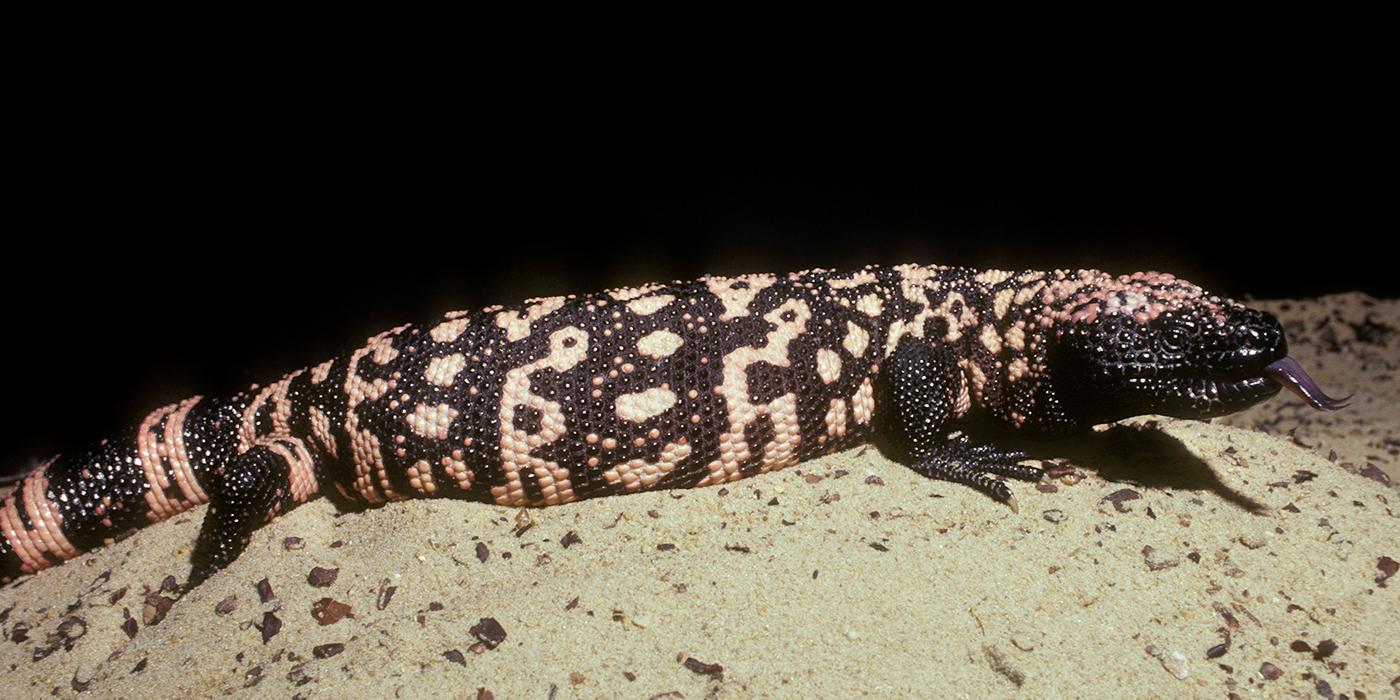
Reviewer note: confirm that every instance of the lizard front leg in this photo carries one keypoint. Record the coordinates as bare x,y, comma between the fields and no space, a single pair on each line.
919,388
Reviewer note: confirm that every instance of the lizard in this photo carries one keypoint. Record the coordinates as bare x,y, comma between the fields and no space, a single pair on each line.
666,386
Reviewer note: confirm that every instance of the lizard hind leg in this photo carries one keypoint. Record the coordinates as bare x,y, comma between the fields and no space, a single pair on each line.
257,485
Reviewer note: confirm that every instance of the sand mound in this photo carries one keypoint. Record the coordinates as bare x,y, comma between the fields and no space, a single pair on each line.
1174,559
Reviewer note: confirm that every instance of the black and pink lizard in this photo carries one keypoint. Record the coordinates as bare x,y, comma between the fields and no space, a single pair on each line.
676,385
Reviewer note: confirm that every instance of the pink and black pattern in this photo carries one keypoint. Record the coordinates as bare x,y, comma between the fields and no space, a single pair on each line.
676,385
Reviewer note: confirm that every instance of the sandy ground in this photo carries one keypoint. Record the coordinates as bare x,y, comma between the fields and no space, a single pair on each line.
1175,559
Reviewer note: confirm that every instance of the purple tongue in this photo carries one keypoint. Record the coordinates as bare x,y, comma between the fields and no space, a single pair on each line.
1288,373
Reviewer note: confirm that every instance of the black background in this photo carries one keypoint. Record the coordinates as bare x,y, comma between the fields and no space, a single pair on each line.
198,247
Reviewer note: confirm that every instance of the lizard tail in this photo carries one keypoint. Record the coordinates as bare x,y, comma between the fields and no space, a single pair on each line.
73,504
31,527
9,561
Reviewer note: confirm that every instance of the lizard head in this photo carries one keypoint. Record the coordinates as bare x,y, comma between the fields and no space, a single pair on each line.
1148,343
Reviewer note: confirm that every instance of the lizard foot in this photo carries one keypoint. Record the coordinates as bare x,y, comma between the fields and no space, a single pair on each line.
961,461
254,487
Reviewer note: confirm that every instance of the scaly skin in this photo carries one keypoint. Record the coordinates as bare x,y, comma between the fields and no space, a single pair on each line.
677,385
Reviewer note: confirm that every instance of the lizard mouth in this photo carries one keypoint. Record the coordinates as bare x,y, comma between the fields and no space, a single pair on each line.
1290,375
1208,397
1231,393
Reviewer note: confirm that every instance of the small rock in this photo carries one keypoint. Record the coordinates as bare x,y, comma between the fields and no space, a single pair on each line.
704,669
270,626
156,608
1155,564
1323,688
321,578
328,611
1371,471
1388,568
326,651
1175,662
227,605
1121,496
489,632
297,675
1254,541
265,593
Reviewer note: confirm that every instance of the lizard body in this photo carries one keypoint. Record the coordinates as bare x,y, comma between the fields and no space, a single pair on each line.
676,385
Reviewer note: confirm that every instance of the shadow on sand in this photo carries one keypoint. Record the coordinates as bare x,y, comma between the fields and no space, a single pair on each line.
1137,454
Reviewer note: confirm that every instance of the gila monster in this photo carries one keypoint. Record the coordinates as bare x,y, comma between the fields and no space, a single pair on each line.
664,386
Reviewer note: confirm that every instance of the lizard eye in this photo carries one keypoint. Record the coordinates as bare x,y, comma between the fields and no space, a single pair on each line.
1174,338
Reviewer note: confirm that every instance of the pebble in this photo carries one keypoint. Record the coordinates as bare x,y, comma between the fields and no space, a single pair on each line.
1254,541
1175,662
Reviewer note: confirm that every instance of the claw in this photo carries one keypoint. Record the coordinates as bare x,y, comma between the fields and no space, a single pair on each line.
1011,501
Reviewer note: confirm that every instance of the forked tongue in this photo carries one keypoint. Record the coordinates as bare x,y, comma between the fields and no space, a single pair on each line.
1288,373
